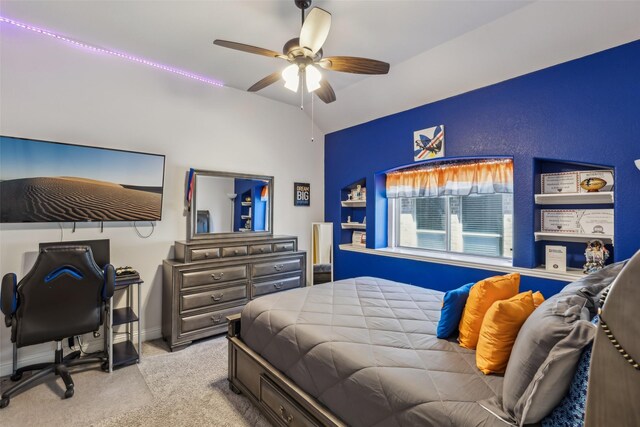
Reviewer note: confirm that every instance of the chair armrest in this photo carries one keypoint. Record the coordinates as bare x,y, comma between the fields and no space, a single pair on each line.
109,282
9,294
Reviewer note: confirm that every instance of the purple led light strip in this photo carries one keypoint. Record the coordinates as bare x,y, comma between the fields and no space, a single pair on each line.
112,52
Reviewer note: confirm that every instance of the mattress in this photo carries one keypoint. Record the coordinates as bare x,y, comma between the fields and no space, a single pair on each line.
366,348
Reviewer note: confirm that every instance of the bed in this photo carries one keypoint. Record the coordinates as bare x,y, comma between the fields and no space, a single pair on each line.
357,352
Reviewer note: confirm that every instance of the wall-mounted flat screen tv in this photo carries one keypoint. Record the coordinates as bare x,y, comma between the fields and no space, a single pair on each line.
42,181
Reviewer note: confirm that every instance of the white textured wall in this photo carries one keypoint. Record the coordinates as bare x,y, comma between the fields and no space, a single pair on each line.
53,91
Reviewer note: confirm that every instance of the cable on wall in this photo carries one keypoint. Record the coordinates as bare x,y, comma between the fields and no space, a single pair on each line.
61,231
142,236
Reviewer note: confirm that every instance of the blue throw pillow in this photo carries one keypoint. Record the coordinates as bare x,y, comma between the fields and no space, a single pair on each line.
452,308
570,411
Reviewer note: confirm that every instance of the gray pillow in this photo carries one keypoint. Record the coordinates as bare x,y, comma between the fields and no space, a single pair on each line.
553,379
592,285
553,321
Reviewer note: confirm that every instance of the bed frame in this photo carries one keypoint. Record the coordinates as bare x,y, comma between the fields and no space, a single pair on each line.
614,380
278,398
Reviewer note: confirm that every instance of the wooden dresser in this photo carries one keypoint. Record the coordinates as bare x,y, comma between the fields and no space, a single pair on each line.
212,279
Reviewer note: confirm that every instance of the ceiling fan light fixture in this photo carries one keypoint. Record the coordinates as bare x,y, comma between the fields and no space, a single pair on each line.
291,77
313,77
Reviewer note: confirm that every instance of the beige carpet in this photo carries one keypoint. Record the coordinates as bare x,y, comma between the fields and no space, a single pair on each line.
185,388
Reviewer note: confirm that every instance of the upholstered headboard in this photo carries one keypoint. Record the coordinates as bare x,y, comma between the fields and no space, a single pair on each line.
614,378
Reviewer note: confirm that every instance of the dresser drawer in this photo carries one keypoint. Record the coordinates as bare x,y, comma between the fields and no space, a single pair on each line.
263,288
259,249
234,251
213,275
275,267
213,297
283,247
200,254
207,320
284,410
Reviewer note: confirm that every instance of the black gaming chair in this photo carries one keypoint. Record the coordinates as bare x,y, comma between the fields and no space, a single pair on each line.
64,295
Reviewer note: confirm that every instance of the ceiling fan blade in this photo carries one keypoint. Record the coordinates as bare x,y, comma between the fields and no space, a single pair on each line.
325,92
315,29
352,64
270,79
248,48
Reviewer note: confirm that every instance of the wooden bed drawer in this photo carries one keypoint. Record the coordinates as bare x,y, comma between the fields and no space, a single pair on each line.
282,409
263,288
214,275
275,267
283,247
259,249
200,254
214,297
207,320
234,251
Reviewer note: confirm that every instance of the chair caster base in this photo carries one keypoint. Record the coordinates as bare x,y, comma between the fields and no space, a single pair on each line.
69,393
4,402
16,377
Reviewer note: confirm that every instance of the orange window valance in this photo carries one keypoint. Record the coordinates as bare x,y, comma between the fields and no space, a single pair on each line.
452,179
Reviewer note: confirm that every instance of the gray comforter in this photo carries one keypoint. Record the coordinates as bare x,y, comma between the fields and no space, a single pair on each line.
366,349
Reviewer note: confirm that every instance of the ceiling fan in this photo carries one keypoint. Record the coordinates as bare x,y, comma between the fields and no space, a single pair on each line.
304,54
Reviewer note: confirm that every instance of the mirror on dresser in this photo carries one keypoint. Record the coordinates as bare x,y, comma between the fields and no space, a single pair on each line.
224,204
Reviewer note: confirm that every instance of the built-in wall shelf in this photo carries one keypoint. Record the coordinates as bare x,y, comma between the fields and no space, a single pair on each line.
245,203
354,203
353,211
572,237
353,226
245,216
596,198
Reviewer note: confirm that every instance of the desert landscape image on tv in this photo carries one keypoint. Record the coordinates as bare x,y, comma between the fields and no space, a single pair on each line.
44,181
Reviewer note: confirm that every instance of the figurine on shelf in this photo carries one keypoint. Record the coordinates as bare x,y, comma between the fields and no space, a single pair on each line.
596,255
348,219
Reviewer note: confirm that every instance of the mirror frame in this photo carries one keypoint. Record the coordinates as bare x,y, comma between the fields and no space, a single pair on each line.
311,248
193,212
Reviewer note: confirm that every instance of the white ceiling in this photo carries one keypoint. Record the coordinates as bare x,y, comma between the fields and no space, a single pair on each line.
436,49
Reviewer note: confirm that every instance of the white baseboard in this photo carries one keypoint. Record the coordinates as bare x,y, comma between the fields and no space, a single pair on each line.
89,344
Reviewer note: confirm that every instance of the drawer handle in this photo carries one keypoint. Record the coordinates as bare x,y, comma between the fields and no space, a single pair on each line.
217,297
288,418
235,252
206,254
216,319
217,276
261,250
277,285
278,267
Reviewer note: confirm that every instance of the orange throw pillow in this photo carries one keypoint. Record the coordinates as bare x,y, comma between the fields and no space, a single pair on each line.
482,295
499,330
538,298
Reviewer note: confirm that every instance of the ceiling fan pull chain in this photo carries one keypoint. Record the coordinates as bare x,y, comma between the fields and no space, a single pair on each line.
312,117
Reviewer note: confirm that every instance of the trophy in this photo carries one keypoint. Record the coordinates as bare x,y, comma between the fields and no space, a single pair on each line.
596,255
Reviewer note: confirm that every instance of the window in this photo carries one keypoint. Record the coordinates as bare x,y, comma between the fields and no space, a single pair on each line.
449,209
474,224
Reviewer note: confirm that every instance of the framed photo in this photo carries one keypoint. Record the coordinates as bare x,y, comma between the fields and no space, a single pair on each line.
428,143
301,194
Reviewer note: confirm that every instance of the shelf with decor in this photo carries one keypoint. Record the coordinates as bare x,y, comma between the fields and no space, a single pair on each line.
574,205
353,226
572,237
353,203
597,198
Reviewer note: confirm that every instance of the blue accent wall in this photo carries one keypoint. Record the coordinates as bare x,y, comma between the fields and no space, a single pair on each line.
586,110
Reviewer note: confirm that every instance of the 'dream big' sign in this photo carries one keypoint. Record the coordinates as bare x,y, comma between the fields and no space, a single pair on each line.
301,194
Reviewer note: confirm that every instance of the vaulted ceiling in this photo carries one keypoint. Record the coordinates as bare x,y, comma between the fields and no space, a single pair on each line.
436,49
